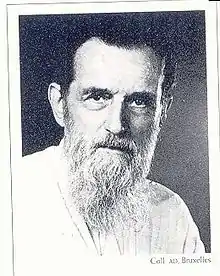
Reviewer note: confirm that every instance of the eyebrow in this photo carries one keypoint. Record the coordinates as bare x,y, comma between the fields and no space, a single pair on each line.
141,94
93,89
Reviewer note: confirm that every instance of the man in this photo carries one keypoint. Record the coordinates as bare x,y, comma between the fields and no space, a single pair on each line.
91,195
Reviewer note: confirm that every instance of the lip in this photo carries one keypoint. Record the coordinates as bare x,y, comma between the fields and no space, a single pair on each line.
116,149
113,148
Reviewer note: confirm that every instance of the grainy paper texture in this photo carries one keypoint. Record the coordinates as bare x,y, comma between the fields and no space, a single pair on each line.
121,111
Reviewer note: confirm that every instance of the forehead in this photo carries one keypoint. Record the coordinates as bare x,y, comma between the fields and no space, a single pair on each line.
97,64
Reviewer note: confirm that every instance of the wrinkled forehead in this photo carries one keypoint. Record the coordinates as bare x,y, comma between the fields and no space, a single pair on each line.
97,64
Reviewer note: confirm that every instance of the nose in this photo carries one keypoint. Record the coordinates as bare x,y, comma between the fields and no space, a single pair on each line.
115,122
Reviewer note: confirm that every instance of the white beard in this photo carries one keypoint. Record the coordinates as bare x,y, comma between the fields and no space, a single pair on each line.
109,189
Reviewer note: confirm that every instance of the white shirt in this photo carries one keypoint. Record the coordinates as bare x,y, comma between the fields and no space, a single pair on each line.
44,231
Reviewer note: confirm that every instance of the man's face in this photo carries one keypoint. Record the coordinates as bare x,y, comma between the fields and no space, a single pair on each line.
115,91
112,115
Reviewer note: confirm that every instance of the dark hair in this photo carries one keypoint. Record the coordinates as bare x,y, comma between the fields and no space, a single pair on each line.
66,33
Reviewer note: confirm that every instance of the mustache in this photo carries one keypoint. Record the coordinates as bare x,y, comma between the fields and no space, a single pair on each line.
117,143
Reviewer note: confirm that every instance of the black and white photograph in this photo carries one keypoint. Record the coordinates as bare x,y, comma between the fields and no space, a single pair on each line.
112,156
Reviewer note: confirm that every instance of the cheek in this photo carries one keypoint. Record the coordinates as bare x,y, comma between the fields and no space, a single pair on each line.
140,123
88,121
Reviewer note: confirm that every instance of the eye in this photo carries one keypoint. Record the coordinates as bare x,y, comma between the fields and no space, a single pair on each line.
99,97
96,99
141,101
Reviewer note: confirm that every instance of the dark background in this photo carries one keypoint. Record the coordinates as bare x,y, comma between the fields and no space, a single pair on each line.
181,158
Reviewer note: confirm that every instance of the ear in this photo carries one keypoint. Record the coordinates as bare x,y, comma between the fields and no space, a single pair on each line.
56,102
166,106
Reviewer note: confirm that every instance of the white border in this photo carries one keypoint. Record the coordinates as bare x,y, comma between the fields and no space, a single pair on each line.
135,266
213,125
111,7
6,268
